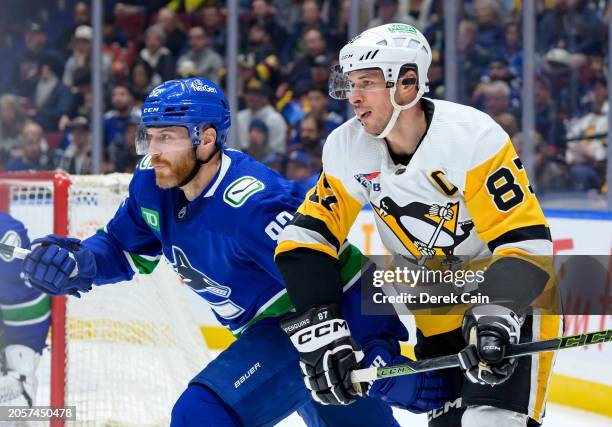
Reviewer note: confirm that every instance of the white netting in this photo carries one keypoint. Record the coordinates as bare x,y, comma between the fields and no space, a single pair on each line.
133,346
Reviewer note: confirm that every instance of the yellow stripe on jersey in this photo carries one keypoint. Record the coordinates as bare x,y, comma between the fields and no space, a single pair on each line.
499,197
323,220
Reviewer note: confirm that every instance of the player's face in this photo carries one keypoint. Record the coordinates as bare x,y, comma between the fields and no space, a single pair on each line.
370,100
171,155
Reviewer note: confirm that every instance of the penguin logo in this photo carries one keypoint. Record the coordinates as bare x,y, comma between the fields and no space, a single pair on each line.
425,230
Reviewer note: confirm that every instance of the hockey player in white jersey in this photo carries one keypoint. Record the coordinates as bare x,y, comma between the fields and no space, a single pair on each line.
442,179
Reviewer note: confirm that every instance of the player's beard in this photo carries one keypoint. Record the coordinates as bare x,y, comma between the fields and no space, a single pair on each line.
173,173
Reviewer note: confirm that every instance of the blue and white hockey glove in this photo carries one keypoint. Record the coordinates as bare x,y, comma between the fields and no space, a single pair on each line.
488,329
416,393
328,354
60,266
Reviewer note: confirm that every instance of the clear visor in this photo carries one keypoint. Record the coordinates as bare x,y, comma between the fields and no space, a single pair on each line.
341,87
160,140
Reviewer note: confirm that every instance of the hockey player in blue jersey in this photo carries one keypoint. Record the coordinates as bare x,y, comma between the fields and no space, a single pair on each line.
25,316
215,214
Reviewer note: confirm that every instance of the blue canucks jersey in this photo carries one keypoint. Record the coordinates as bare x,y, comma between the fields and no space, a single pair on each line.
25,311
221,244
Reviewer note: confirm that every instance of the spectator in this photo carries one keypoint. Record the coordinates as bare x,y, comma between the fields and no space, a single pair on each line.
157,55
318,100
81,15
315,46
115,46
176,39
76,158
257,99
489,19
213,24
548,119
258,146
27,69
33,153
12,119
513,48
81,56
112,36
309,140
141,76
300,169
264,15
472,59
388,12
508,123
124,110
81,97
122,153
497,98
310,20
499,71
262,55
557,70
207,62
52,99
586,157
550,170
572,25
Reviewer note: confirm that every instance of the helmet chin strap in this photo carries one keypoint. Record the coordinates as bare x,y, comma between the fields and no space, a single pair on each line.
398,108
198,164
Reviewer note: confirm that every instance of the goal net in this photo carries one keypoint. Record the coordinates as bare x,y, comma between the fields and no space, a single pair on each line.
122,353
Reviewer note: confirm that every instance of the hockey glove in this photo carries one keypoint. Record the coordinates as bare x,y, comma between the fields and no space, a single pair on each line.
18,381
416,393
488,329
328,354
59,266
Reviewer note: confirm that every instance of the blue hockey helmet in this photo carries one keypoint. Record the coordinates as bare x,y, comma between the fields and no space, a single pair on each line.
193,103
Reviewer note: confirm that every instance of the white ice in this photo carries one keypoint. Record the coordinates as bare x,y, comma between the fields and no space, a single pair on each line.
556,416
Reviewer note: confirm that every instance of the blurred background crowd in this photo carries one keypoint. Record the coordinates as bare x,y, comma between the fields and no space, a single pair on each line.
285,50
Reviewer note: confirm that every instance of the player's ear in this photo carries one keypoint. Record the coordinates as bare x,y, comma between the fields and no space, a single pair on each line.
209,136
406,85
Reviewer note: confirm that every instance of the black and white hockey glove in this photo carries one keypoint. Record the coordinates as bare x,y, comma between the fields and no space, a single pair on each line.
487,329
18,380
328,354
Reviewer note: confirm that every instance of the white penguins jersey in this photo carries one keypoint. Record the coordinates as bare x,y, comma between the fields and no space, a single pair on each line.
464,192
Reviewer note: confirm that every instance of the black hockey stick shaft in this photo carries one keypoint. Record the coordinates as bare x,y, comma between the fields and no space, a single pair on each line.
452,360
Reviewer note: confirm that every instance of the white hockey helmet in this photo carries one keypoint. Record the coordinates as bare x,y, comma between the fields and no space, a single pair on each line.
387,47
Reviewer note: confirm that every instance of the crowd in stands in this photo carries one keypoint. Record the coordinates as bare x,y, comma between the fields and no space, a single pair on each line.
286,48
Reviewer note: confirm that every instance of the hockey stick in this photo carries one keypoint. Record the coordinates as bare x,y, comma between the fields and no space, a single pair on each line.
13,251
452,360
21,253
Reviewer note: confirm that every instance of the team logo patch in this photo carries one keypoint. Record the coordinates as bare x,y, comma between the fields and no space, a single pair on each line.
239,191
200,87
145,163
365,179
10,238
151,217
401,28
426,229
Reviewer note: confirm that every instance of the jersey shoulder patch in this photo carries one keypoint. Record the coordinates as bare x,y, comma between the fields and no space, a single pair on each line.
240,190
145,163
11,238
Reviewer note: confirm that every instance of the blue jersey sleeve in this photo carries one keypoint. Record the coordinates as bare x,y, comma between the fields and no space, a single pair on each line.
269,213
25,311
126,245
